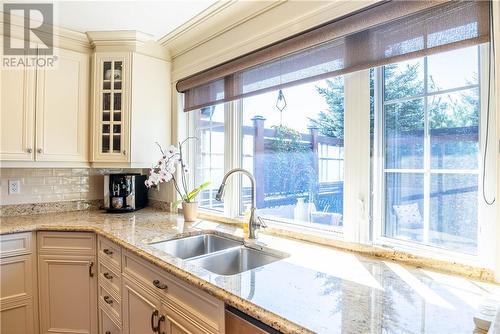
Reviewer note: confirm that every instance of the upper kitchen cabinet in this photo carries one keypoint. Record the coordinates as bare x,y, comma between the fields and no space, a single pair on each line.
17,114
44,113
62,113
131,99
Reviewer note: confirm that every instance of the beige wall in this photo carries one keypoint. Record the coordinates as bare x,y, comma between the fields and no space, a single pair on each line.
45,185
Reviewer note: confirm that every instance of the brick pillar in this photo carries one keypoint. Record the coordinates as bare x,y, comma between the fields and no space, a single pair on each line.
258,157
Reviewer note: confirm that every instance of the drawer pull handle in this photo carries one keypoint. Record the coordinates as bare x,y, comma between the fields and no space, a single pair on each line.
153,316
107,332
159,285
107,251
108,276
160,320
108,300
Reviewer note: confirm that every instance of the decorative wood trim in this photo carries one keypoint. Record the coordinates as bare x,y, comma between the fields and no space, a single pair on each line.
232,33
16,244
63,38
127,40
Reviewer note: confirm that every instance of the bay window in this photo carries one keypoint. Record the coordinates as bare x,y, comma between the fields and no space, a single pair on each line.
369,130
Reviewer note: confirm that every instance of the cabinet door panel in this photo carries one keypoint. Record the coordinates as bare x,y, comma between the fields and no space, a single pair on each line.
17,114
173,327
62,109
18,318
67,294
138,306
16,275
111,122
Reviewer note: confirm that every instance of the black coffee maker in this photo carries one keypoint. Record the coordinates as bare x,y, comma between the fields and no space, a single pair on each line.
125,192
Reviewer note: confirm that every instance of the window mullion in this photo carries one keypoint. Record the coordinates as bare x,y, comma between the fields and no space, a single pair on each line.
378,156
356,155
427,162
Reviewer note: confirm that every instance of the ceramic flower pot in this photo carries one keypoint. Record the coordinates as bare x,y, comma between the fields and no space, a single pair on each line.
190,211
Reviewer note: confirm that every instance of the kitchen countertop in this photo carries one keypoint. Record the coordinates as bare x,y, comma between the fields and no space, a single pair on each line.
316,289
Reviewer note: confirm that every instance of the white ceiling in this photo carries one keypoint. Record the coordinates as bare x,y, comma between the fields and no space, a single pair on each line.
153,17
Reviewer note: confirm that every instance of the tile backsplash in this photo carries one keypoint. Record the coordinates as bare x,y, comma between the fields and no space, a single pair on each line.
45,185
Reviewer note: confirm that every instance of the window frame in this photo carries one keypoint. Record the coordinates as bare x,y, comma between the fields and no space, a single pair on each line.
364,207
486,214
358,118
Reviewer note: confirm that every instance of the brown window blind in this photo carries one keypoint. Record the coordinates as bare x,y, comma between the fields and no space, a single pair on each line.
386,33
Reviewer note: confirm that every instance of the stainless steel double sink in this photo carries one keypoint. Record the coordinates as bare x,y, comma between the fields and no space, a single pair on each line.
217,254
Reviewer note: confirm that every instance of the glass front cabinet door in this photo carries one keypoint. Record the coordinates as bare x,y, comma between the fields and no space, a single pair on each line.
111,117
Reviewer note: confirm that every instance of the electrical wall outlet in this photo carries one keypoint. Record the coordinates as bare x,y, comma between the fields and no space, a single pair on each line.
14,187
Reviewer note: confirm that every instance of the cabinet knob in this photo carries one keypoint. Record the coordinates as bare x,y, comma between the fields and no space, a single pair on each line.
107,275
124,152
29,150
39,151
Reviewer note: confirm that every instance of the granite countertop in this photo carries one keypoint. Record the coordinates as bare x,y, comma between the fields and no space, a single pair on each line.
316,289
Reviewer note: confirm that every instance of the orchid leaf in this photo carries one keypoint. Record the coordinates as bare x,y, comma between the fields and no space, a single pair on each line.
196,191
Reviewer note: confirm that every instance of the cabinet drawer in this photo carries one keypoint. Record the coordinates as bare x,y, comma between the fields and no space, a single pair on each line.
110,302
16,278
106,324
195,306
139,269
109,277
15,244
66,243
110,252
185,299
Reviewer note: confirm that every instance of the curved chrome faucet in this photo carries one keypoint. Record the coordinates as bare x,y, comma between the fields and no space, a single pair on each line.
255,221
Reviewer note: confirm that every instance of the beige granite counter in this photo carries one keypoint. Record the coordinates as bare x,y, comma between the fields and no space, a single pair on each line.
316,289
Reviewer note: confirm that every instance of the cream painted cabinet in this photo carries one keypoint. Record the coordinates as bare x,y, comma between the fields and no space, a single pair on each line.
67,282
140,309
131,109
112,119
44,113
62,115
165,302
17,114
17,284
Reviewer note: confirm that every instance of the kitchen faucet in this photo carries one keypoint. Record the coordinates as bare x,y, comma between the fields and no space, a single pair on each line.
255,221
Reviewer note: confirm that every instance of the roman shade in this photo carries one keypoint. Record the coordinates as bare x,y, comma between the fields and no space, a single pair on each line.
384,33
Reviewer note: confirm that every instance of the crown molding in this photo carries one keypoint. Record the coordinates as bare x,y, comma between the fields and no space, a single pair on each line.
212,22
127,40
257,30
63,38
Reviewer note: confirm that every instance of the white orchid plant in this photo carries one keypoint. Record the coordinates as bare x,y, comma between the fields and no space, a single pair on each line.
165,171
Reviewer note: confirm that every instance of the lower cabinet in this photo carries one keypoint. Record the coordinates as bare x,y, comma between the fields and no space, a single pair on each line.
67,283
18,284
119,292
140,309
